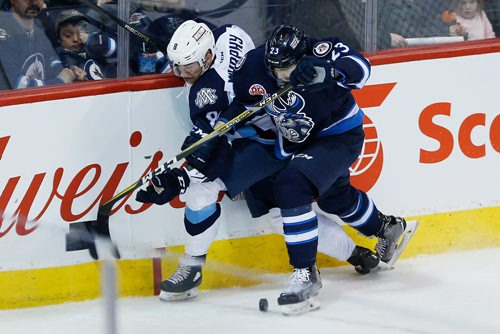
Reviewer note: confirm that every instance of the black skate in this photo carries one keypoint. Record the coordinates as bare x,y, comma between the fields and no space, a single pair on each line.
363,260
393,237
184,282
299,296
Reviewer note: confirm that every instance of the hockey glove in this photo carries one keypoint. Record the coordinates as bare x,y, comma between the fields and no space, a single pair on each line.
199,158
165,187
314,71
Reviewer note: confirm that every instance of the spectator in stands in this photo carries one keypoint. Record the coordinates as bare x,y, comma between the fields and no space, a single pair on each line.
78,48
397,20
471,21
402,19
25,48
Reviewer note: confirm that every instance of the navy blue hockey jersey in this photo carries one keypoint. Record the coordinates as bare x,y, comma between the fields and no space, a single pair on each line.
98,46
68,59
302,115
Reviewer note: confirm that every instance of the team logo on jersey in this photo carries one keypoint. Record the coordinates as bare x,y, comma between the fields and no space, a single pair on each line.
322,48
33,67
292,123
257,89
205,96
136,17
93,70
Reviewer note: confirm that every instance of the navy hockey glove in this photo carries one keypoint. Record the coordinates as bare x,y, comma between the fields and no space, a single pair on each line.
165,186
312,70
199,158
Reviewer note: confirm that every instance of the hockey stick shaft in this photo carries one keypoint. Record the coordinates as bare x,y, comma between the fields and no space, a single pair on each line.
124,25
218,131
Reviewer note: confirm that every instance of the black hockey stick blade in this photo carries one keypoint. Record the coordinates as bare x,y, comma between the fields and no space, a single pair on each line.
105,209
92,235
126,26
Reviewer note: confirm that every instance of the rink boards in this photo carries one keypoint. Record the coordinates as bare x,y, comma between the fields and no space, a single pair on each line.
432,153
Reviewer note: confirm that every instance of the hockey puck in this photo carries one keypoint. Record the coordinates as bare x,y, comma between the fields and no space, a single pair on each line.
263,305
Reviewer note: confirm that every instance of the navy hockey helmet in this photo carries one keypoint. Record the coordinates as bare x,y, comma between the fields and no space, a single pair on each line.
286,46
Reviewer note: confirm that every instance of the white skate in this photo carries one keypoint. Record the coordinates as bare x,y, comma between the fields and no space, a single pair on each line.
300,294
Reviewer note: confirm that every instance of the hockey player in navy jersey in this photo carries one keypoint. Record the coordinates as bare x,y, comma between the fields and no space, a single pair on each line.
206,62
320,130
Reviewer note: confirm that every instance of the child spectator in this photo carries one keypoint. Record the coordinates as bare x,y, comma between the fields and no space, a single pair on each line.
77,48
471,20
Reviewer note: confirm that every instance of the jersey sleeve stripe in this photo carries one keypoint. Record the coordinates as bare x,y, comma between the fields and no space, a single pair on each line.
365,70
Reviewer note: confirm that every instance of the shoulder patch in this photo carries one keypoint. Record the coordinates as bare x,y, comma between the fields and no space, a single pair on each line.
205,96
33,66
257,89
322,48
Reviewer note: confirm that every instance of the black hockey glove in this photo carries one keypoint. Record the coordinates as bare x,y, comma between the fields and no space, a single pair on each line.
314,71
164,187
199,158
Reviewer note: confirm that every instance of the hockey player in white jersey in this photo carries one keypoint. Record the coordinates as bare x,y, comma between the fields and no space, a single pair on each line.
206,61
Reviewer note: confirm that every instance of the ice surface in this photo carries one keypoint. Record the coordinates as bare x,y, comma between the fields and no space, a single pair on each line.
450,293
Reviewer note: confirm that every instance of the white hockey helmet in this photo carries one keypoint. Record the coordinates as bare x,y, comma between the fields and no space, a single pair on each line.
190,43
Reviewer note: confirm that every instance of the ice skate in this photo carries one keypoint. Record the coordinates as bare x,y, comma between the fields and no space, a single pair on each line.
183,283
363,260
300,295
393,237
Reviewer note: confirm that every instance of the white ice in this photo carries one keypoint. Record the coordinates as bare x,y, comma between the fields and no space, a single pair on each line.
450,293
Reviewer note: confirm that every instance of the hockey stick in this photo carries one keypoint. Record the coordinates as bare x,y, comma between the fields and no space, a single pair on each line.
105,209
124,25
97,231
225,9
101,26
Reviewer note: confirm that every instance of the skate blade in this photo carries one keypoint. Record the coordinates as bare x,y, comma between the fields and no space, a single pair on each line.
411,227
175,296
310,304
